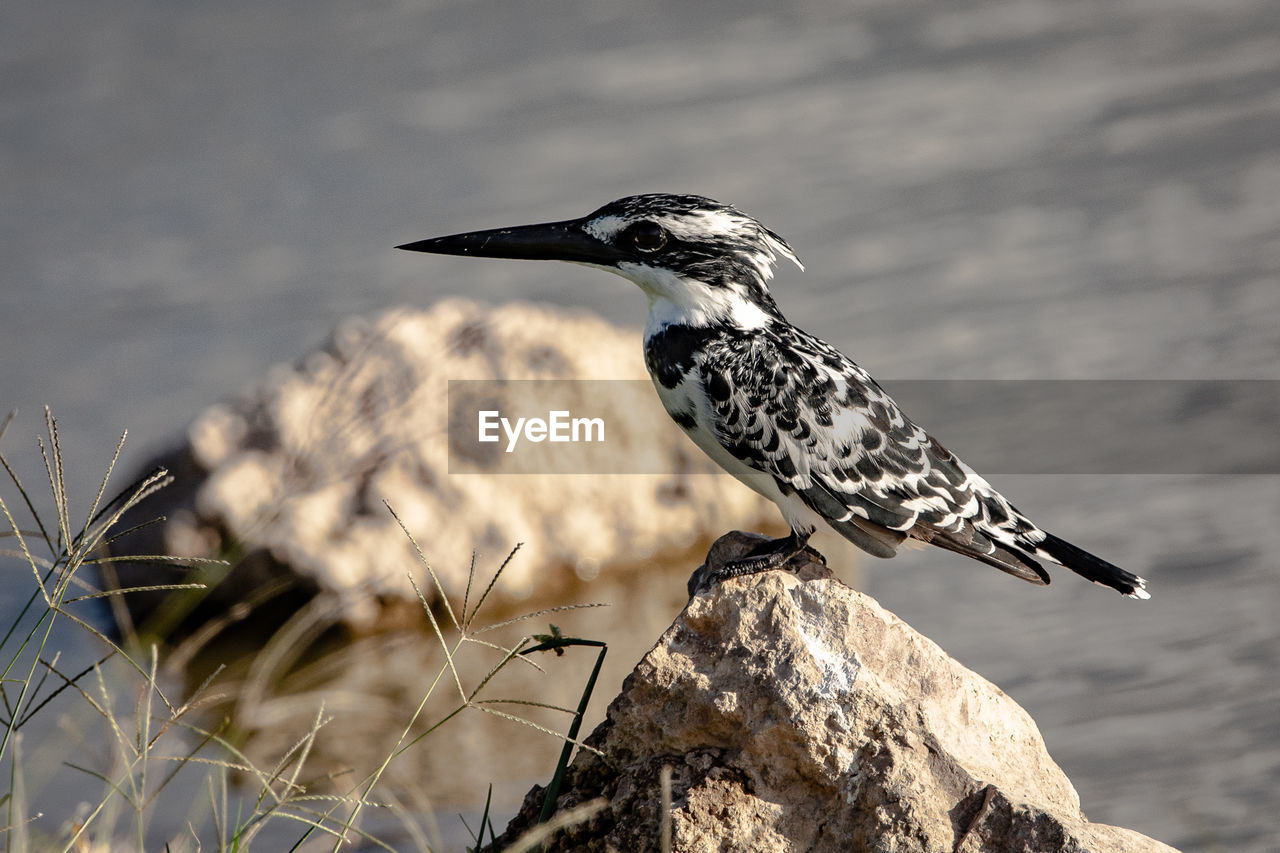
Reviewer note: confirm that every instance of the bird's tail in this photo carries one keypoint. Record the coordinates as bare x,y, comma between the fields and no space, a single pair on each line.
1090,567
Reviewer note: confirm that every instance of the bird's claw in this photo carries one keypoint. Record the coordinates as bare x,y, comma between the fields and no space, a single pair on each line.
770,555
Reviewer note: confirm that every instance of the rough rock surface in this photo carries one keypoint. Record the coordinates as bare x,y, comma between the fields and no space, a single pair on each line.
797,714
291,478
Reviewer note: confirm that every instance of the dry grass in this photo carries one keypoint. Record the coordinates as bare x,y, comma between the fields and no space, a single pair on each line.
144,751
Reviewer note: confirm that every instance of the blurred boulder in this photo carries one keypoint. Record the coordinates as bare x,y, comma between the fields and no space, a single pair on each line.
289,481
797,714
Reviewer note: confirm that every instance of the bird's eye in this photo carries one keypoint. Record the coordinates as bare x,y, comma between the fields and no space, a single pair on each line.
647,236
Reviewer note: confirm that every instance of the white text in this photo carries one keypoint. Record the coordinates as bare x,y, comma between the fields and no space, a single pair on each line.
558,427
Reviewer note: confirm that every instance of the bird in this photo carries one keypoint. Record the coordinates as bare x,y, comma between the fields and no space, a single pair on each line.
781,410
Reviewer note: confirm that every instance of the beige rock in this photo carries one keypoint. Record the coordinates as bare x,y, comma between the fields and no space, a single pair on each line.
294,474
800,715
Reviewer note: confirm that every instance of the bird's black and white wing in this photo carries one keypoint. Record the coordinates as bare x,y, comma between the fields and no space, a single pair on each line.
788,404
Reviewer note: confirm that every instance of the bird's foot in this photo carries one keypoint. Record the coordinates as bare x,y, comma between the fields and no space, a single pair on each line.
768,555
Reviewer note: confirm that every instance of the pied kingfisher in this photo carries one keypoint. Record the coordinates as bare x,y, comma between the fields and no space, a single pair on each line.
781,410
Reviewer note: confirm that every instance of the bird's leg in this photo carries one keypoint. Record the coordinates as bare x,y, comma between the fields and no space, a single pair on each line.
772,554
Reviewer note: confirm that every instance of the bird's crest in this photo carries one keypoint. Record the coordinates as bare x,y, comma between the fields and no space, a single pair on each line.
706,257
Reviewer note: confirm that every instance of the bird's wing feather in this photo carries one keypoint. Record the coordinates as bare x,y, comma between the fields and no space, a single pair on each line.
801,411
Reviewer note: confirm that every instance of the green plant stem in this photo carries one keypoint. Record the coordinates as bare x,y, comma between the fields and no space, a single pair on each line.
553,790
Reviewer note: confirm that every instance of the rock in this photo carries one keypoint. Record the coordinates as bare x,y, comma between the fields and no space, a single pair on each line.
800,715
292,477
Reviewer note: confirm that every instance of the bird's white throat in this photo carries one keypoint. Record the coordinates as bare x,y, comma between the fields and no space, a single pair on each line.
677,300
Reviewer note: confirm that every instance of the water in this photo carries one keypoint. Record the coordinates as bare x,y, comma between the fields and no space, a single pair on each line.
980,190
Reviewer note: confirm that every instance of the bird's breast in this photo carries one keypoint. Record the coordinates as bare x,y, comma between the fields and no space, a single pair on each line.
681,397
670,352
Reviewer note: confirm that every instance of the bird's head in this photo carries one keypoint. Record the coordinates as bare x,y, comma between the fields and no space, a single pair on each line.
697,260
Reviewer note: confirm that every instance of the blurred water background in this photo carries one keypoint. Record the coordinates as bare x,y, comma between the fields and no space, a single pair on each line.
1013,189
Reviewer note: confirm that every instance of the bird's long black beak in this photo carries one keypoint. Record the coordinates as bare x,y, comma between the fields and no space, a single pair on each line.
550,241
